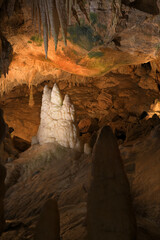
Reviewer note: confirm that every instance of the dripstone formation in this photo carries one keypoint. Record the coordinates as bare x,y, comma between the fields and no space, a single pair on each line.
2,192
57,122
110,214
48,226
3,127
2,173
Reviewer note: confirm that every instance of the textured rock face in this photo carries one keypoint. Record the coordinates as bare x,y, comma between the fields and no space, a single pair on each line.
57,120
48,226
2,192
145,152
110,213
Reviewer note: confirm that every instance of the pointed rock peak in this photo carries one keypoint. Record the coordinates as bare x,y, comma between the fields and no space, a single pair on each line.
110,214
106,136
46,93
56,97
46,89
66,100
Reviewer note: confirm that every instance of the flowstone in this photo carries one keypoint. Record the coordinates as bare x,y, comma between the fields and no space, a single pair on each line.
57,120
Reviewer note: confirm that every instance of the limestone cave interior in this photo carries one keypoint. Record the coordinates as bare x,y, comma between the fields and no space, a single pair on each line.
80,119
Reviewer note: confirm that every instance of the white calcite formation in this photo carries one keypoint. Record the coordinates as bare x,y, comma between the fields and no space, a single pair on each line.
154,109
57,123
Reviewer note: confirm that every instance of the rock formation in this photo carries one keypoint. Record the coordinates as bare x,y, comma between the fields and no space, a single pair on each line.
154,109
5,55
3,127
2,191
146,183
48,227
2,172
110,213
57,122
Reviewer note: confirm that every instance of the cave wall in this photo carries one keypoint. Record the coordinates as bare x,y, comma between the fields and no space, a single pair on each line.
149,6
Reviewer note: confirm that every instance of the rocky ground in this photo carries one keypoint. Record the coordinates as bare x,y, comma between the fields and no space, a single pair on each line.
51,171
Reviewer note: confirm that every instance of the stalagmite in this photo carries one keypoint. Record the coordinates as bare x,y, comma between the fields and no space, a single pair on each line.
57,122
48,226
2,192
110,215
3,131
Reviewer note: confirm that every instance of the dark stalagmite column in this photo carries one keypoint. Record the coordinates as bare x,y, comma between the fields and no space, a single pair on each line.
110,215
48,226
3,130
2,192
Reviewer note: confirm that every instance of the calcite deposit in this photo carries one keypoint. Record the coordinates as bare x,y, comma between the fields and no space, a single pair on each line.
57,120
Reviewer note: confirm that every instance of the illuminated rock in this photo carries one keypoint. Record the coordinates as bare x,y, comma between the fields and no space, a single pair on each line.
154,109
57,122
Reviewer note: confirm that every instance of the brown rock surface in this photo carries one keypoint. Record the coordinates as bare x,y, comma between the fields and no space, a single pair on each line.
53,172
144,153
110,214
148,83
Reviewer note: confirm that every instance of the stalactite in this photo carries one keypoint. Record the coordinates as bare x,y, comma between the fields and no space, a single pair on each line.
47,17
31,97
62,18
70,7
54,21
53,14
45,26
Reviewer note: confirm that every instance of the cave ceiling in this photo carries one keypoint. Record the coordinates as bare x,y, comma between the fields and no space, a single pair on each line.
87,38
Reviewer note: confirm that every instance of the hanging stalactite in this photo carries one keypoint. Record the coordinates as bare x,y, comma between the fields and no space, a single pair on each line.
31,97
52,14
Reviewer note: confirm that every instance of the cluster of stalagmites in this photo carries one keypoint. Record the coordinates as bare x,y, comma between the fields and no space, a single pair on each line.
57,120
109,209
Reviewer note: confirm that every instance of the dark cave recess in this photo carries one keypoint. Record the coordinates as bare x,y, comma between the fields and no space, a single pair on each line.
149,6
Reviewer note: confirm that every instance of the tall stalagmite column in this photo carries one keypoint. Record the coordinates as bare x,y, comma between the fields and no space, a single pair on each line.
110,215
2,192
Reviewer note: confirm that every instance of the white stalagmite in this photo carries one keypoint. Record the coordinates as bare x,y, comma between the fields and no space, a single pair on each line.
57,123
